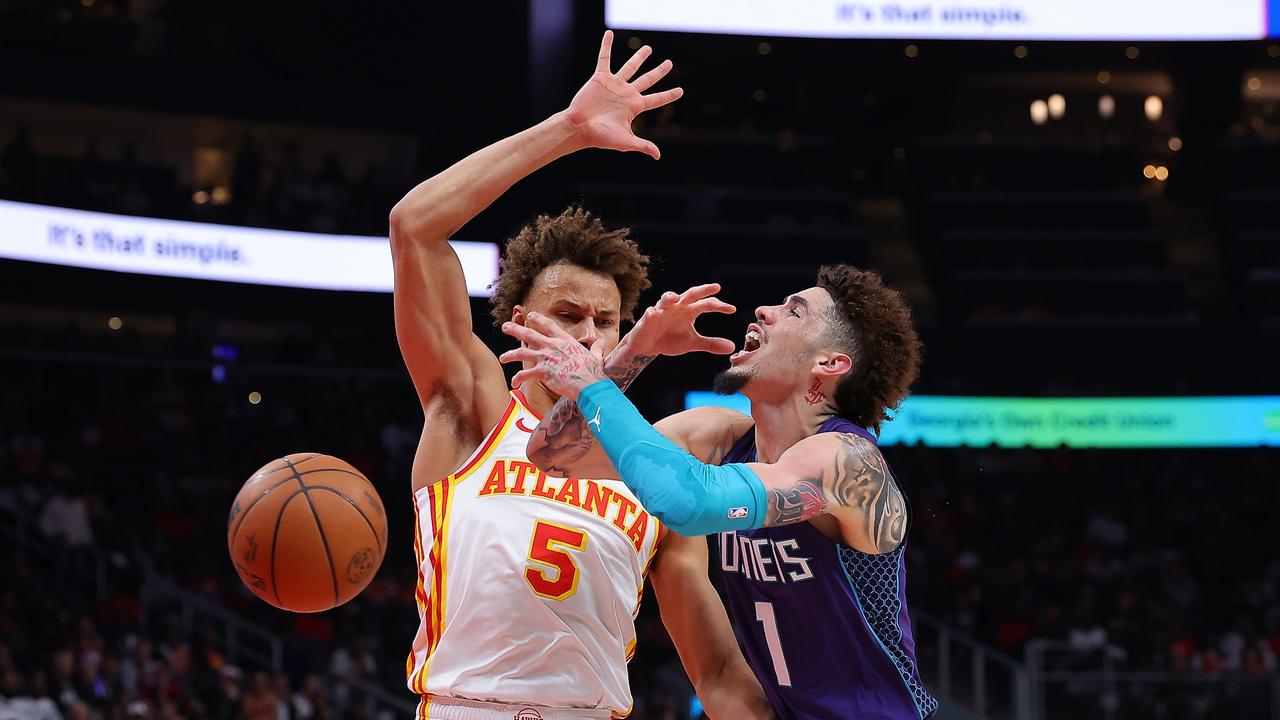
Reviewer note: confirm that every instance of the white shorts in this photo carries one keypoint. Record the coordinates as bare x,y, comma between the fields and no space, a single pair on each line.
448,708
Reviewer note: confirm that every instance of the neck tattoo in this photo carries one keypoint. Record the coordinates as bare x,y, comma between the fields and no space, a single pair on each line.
815,395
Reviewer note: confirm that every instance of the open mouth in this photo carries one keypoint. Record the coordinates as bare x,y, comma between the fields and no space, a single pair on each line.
750,343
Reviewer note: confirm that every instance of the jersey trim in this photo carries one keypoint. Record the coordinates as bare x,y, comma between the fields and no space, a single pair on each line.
440,496
419,595
486,448
923,712
430,608
659,533
519,395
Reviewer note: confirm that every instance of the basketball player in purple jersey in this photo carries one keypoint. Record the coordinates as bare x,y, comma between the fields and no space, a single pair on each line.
811,524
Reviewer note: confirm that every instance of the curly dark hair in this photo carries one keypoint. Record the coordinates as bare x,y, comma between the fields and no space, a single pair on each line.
576,237
872,323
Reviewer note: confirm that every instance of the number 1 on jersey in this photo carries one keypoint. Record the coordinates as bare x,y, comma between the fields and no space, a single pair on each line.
547,550
764,613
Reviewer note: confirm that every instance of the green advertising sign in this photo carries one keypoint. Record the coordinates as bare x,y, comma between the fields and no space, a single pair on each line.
1118,422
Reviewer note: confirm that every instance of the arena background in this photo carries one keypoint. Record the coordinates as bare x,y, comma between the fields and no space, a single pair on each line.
1069,219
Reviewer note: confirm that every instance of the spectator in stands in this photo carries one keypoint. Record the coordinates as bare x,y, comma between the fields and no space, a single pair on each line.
261,703
309,702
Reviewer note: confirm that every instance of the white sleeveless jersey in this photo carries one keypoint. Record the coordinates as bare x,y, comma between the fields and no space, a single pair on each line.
528,584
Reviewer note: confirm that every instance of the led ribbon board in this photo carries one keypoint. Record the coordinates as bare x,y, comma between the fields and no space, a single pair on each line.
957,19
1132,422
101,241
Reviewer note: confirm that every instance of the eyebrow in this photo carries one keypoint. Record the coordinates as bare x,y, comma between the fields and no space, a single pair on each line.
577,306
798,301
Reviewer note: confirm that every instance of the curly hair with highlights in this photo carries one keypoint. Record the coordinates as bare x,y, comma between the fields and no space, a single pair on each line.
872,324
575,237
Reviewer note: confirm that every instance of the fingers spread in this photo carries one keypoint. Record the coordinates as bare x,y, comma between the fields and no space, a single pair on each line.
606,47
525,376
520,354
697,292
659,99
526,334
715,305
633,64
646,147
651,78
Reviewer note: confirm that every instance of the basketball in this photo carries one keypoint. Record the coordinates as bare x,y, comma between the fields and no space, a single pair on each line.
307,532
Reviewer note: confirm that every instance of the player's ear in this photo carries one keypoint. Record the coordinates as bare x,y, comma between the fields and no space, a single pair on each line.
833,365
517,314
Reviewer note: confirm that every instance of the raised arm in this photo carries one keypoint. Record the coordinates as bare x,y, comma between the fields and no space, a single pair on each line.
699,627
562,444
458,379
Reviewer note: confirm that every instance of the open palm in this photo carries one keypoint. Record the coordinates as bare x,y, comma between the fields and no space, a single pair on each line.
667,327
607,104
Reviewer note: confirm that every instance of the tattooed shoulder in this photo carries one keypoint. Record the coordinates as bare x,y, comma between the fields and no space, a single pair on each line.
860,480
845,476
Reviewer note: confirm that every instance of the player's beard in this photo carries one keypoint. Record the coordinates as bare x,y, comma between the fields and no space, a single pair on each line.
730,381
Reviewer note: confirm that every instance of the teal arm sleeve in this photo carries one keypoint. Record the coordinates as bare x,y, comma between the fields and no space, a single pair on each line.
690,496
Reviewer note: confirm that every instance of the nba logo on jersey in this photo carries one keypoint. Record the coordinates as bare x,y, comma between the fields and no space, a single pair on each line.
737,512
528,714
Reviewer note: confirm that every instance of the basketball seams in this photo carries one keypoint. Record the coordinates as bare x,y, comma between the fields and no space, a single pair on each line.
356,507
245,512
324,539
296,464
268,471
337,470
281,472
275,537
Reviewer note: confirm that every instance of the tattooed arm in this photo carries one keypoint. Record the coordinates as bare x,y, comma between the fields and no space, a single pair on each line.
830,473
706,432
841,475
562,444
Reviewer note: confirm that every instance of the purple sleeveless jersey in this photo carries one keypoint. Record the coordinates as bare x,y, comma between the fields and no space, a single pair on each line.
823,626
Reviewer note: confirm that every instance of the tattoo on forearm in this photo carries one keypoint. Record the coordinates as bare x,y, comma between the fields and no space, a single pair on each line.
564,435
799,502
858,479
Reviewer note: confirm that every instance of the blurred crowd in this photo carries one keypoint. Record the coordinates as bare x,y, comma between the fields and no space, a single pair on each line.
117,479
112,485
1165,555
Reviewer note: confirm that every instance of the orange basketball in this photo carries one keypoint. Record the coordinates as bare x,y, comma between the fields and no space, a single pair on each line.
307,532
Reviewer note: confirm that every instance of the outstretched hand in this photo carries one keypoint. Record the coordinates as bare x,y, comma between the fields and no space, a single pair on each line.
605,107
560,362
667,327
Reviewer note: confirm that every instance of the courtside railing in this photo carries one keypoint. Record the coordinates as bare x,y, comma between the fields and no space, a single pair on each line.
969,678
246,644
1068,681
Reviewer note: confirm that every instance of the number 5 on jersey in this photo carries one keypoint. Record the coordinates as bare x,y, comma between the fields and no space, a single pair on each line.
548,552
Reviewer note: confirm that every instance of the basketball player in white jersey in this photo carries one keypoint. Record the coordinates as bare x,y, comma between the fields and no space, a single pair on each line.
529,583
